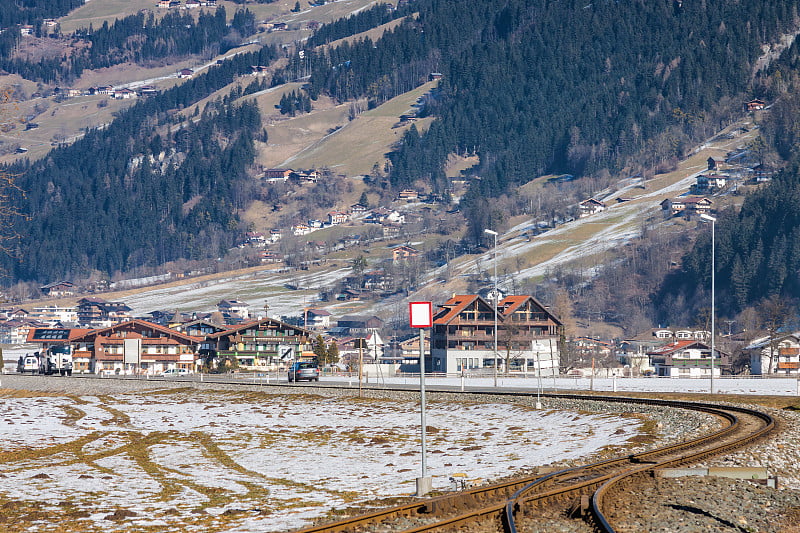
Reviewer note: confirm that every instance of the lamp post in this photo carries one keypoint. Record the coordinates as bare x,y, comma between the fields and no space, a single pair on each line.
713,221
494,234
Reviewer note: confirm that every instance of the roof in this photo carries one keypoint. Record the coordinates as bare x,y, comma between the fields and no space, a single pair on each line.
695,200
246,325
677,346
509,304
55,334
455,305
763,342
593,201
93,333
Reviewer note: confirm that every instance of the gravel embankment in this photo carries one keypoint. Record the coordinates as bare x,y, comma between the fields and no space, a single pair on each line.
710,504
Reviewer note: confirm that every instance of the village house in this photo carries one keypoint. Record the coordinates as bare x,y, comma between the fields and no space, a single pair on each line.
281,173
711,182
266,344
96,312
307,176
358,325
408,195
234,309
135,347
687,359
185,73
403,253
357,209
338,217
317,319
382,214
54,315
755,104
59,289
148,90
15,313
690,205
368,349
15,330
301,229
462,337
255,239
268,256
192,4
779,354
124,94
591,207
275,234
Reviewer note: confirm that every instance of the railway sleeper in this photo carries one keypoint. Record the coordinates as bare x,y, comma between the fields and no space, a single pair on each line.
580,507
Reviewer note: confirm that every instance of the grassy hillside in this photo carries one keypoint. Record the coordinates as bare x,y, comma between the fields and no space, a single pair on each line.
361,143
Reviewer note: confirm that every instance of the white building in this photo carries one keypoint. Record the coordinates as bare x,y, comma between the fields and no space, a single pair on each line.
784,351
686,359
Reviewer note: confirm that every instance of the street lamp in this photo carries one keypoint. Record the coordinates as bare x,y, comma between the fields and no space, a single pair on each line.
494,234
713,221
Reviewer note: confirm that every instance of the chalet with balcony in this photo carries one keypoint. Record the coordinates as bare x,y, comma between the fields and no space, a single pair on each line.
408,195
687,359
266,344
357,209
462,337
234,309
782,350
16,331
317,319
58,289
337,217
591,207
404,253
135,347
690,205
710,182
755,104
97,312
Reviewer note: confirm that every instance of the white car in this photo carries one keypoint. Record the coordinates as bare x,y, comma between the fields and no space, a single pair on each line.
175,372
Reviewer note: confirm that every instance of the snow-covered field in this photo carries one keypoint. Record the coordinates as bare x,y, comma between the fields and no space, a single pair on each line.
220,461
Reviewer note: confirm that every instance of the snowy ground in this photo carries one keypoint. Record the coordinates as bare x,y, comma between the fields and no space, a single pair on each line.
198,461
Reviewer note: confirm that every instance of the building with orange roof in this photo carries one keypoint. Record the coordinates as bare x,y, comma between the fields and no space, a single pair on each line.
462,337
135,347
687,358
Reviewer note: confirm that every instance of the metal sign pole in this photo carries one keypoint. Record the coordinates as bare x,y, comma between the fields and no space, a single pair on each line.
421,316
422,399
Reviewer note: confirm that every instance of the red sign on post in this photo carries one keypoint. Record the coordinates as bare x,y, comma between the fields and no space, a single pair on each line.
420,314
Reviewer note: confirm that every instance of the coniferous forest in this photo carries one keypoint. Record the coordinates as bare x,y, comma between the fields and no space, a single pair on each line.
529,86
148,189
138,39
757,254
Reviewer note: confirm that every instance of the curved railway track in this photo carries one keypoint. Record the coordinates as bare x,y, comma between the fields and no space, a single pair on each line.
592,490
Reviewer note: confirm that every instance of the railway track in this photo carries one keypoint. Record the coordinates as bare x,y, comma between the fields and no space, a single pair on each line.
590,490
